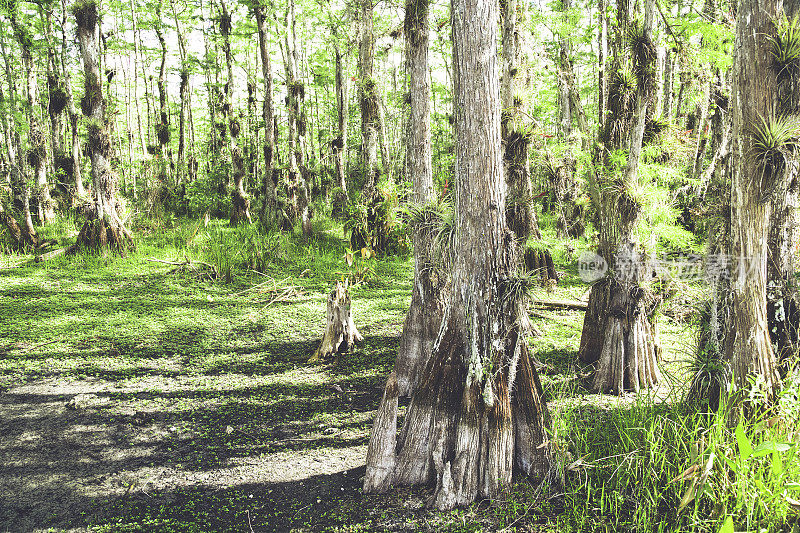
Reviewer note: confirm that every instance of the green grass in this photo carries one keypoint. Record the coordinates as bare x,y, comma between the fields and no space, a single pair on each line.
204,382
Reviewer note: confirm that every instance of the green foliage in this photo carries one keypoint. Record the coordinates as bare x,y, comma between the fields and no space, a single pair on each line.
785,44
375,224
717,41
657,468
206,195
710,372
236,251
772,140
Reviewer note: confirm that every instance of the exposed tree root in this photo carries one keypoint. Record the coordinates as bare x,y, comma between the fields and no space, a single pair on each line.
101,234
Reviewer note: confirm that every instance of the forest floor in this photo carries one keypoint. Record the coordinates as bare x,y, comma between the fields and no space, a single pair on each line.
135,398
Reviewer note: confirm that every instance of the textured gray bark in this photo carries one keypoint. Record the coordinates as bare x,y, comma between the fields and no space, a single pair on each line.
466,428
617,333
424,315
103,228
749,347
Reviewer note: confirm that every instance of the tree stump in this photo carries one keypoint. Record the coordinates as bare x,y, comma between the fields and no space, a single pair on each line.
340,334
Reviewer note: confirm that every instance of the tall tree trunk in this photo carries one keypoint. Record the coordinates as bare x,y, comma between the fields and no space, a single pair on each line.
520,213
163,131
339,143
56,98
368,100
425,314
374,235
299,190
184,165
566,187
755,175
75,144
103,227
616,331
37,140
240,203
137,61
602,55
269,179
19,188
22,235
783,299
467,428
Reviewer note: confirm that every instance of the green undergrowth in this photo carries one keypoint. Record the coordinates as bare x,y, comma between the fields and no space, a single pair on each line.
203,377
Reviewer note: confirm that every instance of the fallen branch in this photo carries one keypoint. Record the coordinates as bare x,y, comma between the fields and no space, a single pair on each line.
572,305
259,285
181,263
187,264
311,439
277,291
49,255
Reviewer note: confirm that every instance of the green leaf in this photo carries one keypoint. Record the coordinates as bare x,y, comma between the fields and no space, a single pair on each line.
727,527
777,465
731,464
768,447
745,446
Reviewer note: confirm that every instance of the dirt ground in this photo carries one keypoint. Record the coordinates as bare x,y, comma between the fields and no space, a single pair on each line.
60,453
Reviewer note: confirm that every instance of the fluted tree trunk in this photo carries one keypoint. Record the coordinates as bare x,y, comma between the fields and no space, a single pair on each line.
616,331
424,315
756,175
477,412
103,227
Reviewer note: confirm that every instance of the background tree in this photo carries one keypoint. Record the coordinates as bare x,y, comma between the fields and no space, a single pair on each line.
103,226
616,330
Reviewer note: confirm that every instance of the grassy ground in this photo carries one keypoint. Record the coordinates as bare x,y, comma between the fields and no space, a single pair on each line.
134,397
